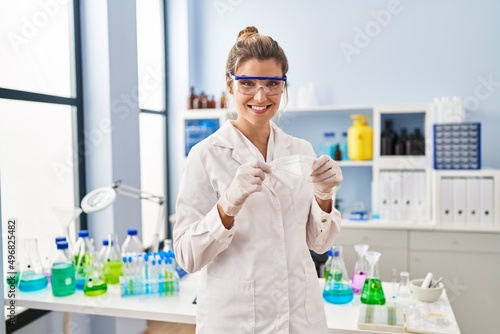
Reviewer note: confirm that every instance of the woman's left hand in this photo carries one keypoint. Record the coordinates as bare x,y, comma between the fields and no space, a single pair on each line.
326,174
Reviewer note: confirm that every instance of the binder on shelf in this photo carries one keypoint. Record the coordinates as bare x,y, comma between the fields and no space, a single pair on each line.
446,199
459,200
486,191
473,199
395,185
420,209
408,210
385,195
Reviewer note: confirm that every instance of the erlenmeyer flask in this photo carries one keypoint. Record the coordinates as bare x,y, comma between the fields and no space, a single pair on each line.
337,289
113,265
404,296
32,277
94,285
372,293
360,268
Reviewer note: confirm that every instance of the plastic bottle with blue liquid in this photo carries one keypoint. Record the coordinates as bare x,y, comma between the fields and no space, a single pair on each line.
327,146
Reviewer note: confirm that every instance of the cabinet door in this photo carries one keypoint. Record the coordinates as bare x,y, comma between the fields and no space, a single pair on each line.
470,266
392,244
471,282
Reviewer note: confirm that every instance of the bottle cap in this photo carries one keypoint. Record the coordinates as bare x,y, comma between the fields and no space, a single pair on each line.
83,233
336,253
330,252
60,239
62,245
132,231
105,242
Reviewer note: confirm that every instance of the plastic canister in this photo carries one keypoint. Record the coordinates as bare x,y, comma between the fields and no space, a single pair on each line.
360,139
132,244
62,271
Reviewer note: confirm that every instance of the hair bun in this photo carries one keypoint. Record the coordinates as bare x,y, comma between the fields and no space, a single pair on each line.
247,32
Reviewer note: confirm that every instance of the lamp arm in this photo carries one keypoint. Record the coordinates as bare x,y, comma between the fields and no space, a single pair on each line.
133,192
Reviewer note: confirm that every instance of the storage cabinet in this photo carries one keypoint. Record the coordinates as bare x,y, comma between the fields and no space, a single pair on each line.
401,188
470,266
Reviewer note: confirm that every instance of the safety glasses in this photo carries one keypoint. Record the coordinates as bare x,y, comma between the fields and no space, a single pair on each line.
250,85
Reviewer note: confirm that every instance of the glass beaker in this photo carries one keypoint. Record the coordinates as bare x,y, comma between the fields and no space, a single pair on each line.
337,289
372,292
32,277
360,268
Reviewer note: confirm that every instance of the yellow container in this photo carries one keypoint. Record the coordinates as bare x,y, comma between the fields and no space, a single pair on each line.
360,139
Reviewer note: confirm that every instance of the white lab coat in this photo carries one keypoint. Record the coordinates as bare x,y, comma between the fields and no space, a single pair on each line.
258,277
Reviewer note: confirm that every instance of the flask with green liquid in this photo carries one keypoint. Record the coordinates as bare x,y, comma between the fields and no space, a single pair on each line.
372,293
112,263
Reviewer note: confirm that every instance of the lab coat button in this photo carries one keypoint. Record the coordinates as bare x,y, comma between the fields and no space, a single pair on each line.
323,220
229,236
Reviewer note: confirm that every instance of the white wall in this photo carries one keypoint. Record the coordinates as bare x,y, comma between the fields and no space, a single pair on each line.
425,49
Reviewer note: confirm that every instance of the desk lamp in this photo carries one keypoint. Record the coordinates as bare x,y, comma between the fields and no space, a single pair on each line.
100,198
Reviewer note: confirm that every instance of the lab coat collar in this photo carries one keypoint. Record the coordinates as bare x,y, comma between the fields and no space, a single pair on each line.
230,139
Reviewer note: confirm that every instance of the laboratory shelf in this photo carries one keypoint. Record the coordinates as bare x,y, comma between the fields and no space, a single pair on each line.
349,163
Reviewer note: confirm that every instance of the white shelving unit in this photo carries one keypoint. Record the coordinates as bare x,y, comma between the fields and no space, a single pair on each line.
424,209
401,185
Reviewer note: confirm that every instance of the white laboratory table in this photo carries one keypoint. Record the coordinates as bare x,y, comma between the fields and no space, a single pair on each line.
341,319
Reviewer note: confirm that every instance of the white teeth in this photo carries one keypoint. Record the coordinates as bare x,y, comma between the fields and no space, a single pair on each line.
258,108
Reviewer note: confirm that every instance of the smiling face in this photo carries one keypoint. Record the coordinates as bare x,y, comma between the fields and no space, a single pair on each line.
256,111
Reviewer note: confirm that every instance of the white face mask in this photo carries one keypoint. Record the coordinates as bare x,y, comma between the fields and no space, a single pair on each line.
292,171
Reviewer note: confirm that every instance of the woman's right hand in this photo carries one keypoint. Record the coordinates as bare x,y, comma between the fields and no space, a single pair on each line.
248,180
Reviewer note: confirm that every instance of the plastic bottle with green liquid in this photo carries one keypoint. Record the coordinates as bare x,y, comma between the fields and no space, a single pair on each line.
62,271
84,258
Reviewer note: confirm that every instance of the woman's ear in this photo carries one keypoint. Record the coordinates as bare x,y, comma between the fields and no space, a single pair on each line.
229,85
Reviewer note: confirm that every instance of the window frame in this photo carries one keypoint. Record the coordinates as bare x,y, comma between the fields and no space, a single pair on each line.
164,113
76,102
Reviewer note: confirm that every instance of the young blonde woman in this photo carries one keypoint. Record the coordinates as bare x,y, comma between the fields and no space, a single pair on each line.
246,232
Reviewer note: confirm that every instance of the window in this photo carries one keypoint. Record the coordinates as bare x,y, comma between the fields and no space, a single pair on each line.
42,167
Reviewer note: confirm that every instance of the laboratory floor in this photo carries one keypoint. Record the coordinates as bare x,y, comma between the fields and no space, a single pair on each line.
159,327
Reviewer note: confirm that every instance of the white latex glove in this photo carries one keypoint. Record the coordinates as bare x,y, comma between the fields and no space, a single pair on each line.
248,180
325,175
